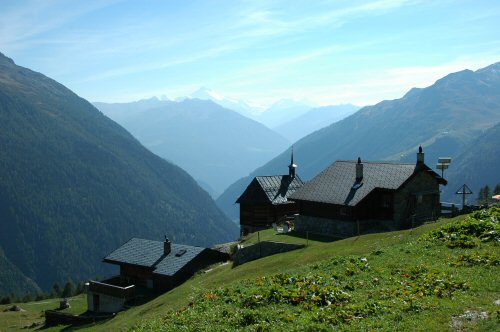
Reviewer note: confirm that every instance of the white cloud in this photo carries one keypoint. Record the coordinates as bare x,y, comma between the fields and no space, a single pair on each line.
390,83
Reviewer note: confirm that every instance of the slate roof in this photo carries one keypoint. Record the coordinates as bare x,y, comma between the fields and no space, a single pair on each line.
148,253
274,189
335,185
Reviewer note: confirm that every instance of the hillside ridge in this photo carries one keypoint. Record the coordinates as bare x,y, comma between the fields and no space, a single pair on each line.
74,184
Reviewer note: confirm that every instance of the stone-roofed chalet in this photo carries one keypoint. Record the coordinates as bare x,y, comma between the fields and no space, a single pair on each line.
352,197
265,200
155,265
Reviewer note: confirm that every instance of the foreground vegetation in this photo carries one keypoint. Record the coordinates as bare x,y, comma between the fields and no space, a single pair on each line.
30,315
445,279
441,276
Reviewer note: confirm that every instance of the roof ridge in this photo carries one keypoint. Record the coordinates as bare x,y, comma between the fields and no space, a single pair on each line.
269,176
376,162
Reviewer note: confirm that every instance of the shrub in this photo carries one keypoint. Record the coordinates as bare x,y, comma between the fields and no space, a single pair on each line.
481,226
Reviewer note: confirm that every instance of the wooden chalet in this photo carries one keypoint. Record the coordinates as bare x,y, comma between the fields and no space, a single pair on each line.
353,197
159,266
265,200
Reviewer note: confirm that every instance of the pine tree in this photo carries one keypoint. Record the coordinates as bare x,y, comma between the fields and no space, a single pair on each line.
27,298
487,194
6,300
496,191
69,289
56,290
80,288
480,197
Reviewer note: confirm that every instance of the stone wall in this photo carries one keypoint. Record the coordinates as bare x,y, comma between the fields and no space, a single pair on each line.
107,303
407,202
341,228
262,249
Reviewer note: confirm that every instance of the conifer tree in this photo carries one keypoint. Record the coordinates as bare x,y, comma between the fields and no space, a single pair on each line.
6,300
496,191
27,298
487,194
56,290
69,289
480,197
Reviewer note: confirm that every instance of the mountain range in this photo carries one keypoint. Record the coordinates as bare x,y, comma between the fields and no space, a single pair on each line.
292,119
277,114
313,120
215,145
74,185
444,118
249,110
283,111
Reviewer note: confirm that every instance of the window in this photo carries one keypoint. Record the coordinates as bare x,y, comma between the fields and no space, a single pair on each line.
180,253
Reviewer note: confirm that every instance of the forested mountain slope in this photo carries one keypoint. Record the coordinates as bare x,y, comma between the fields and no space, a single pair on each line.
477,166
74,184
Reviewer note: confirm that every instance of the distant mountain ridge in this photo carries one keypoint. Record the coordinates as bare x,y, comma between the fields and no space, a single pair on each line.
275,115
443,118
313,120
283,111
74,185
240,106
215,145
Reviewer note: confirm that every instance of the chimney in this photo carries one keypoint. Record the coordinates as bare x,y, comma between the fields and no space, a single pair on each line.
359,170
167,246
292,167
420,156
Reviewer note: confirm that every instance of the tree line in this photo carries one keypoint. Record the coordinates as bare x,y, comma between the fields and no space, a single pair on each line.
70,289
485,193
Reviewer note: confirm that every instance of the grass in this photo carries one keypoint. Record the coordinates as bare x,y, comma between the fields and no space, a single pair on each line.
225,275
411,282
33,313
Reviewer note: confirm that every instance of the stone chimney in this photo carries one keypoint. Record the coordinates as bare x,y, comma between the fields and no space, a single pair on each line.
359,170
167,246
420,156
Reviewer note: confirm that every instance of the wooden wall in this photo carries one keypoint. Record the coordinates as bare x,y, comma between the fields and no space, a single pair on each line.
261,216
137,274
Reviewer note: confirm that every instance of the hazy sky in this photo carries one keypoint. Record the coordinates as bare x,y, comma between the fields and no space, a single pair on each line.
329,52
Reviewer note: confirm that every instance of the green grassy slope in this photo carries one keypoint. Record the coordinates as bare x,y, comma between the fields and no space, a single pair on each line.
31,316
403,280
388,281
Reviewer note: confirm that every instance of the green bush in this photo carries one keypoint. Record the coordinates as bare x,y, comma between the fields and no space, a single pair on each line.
481,226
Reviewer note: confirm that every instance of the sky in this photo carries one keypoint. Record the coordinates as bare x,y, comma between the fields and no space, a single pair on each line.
326,52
